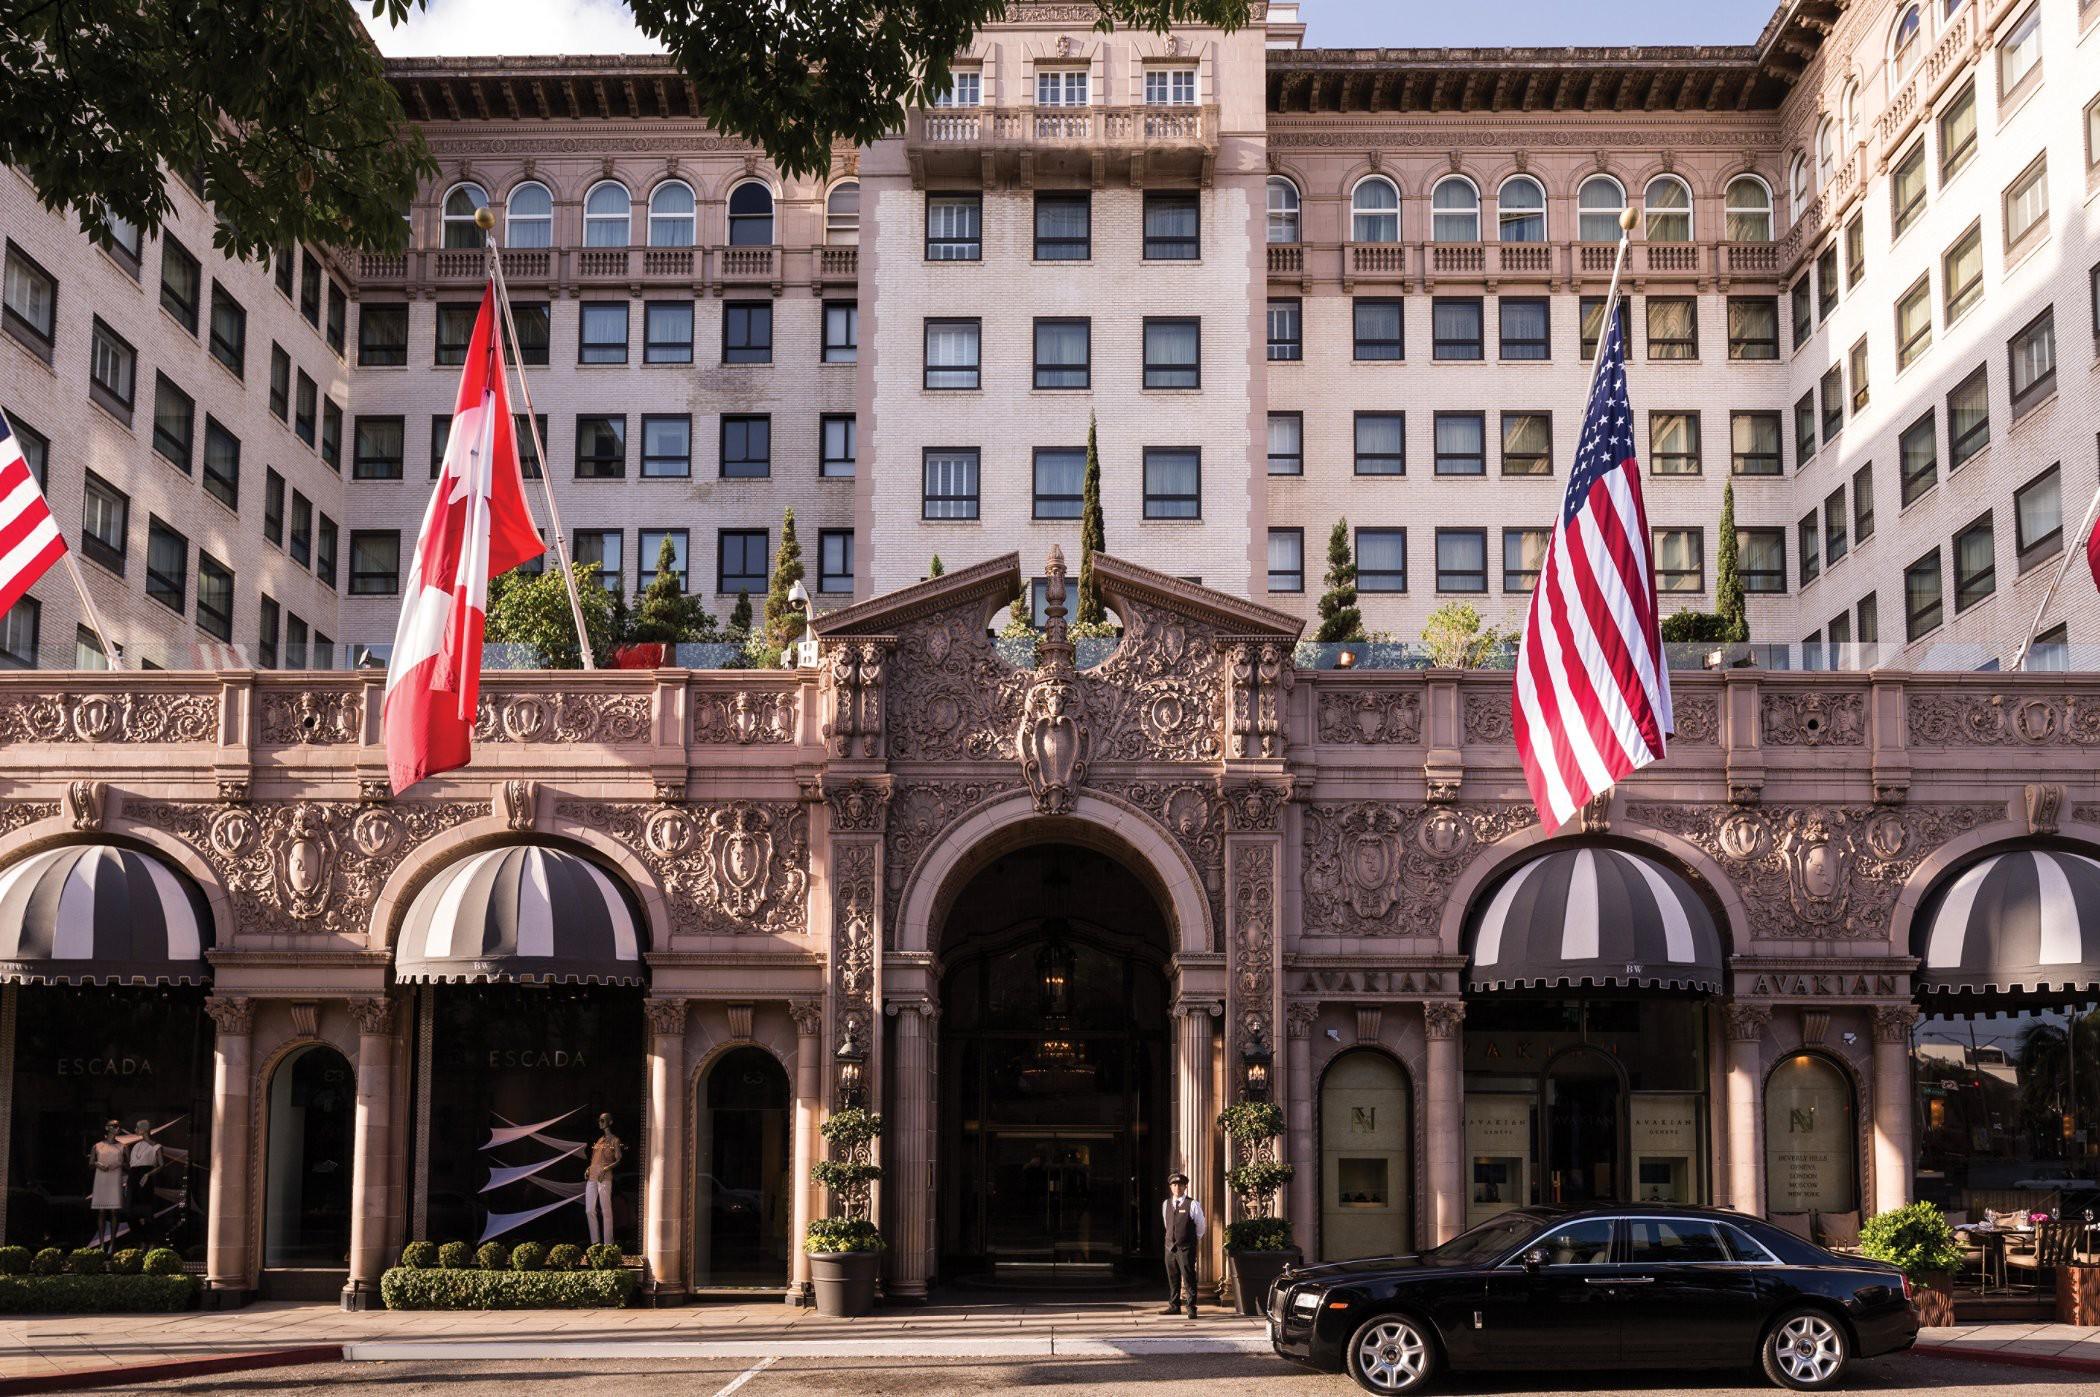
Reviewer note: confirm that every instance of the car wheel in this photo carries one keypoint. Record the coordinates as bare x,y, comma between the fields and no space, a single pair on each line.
1807,1350
1391,1353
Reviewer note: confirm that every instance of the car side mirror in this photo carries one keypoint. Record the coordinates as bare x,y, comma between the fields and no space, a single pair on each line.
1534,1258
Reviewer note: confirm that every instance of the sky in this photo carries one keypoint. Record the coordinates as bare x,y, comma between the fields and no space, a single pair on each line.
462,27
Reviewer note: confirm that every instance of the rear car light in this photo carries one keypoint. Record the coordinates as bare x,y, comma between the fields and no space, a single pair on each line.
1909,1291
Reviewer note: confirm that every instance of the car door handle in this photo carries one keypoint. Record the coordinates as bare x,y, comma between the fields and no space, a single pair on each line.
1619,1280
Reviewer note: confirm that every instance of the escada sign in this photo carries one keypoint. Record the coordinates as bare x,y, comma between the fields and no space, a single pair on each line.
500,1058
1799,986
1379,982
105,1067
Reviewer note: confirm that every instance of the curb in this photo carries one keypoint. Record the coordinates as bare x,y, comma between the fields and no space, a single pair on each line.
1047,1346
1969,1354
172,1368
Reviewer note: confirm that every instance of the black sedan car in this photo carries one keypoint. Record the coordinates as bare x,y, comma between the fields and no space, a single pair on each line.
1607,1287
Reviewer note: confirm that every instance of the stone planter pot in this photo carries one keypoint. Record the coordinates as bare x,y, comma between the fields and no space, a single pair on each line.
1253,1272
2078,1293
1933,1294
844,1282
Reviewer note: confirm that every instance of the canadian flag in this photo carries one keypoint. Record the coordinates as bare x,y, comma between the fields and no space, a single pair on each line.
476,527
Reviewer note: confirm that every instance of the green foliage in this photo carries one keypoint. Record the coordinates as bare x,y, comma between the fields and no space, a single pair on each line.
14,1261
87,1261
1092,539
492,1256
1251,1120
1259,1177
131,1261
162,1261
1693,628
455,1256
1258,1234
666,615
528,1256
109,1295
1339,618
1917,1238
405,1289
564,1256
603,1256
935,569
1456,639
48,1262
843,1174
782,618
740,617
1728,578
419,1256
533,610
851,1125
841,1234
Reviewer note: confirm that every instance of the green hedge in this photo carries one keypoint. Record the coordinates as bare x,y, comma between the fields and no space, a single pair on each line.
405,1289
64,1295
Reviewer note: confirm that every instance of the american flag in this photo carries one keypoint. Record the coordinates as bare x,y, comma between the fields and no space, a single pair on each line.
29,538
1591,701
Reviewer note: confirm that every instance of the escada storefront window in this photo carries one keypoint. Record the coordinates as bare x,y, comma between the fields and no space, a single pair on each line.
1811,1138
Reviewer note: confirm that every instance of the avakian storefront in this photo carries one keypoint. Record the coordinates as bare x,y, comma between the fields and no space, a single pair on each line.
1048,920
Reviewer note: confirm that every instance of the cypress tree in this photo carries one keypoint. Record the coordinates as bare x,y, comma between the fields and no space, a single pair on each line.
1339,618
664,613
1728,580
935,569
740,617
1091,538
783,619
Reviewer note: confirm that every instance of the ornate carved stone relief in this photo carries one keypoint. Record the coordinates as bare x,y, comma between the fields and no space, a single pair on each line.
1698,720
2002,720
1379,868
232,1014
310,717
741,867
1814,719
743,718
666,1016
1194,813
374,1015
1443,1018
1381,716
853,671
1262,676
1254,945
85,802
17,813
1487,719
858,805
1892,1022
1050,740
565,717
919,811
150,716
852,957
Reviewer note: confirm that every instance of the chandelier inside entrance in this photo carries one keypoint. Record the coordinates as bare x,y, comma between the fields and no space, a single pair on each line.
1059,1063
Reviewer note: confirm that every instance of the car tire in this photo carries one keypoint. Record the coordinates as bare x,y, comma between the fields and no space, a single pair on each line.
1806,1350
1390,1354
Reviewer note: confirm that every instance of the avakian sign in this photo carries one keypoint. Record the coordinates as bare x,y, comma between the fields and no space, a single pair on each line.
1824,984
1378,982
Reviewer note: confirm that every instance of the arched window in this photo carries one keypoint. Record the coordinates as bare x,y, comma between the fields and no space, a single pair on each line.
1811,1141
459,208
1366,1134
529,218
1521,210
1374,211
1904,45
1826,153
1597,207
751,215
1950,8
1848,112
606,215
671,214
1454,211
1283,210
842,214
1669,201
1799,190
1749,210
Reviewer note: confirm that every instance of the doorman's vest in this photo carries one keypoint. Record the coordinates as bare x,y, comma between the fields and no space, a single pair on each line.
1181,1227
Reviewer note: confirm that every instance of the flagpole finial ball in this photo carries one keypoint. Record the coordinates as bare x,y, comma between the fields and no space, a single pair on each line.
1626,218
485,218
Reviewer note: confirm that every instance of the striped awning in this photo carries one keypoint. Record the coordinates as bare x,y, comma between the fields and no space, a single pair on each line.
2024,923
525,914
1595,916
96,914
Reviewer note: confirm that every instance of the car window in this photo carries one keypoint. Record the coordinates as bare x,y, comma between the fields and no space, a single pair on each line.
1584,1243
1653,1241
1485,1242
1744,1246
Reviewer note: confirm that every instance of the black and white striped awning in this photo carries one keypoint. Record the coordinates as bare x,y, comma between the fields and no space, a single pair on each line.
1594,916
2024,923
95,914
525,914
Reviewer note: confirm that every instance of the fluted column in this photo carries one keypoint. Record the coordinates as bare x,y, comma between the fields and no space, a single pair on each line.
1892,1105
226,1229
1194,1115
1444,1117
911,1136
375,1201
1746,1122
809,1101
664,1198
1298,1117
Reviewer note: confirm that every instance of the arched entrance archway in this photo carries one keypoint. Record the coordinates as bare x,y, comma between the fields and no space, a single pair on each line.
1055,1053
306,1184
741,1195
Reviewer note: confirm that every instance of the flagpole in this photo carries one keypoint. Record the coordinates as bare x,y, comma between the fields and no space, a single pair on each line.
486,220
109,652
2071,551
1611,299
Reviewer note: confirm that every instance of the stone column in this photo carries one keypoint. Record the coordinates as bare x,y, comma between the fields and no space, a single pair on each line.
1195,1117
1304,1192
809,1102
664,1197
1746,1117
375,1201
226,1229
1892,1105
913,1166
1444,1116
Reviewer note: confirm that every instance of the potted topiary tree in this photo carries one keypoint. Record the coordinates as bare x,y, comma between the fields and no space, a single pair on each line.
1258,1243
1919,1239
843,1249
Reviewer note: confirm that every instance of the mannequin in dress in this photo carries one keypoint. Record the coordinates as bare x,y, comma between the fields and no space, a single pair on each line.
140,1165
107,1160
606,1152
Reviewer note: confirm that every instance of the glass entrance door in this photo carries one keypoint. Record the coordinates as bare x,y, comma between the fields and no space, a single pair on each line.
1583,1161
1059,1196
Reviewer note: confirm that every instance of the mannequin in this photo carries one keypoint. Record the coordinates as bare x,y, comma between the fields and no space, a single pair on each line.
140,1165
107,1160
606,1152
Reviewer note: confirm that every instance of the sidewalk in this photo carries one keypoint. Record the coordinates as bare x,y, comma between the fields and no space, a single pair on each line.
2062,1346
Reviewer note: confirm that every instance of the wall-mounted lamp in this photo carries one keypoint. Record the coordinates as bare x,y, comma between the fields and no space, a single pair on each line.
1255,1059
1345,658
852,1080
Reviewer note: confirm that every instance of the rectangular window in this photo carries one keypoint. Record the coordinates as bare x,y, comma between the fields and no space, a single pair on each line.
1461,560
379,447
214,597
21,634
181,283
1286,443
1856,249
1921,596
1754,443
105,523
1907,190
440,441
174,422
667,445
1286,331
2027,208
1968,418
2031,361
1805,538
601,447
29,308
455,327
1171,223
1064,227
954,227
1863,503
1381,444
1173,482
1526,327
1913,322
741,560
1673,327
839,436
1063,352
1867,619
1857,361
1286,560
2038,517
1961,272
2020,56
310,288
535,331
273,507
112,371
1680,560
841,332
1834,540
1804,428
1378,328
1173,353
747,447
332,433
1527,443
1461,443
284,265
222,465
324,552
1455,327
1381,560
299,534
1826,283
375,562
36,450
167,566
965,86
835,560
1761,555
530,435
1801,310
1673,443
1975,564
1170,87
1832,391
667,333
1917,456
649,551
1062,87
1957,121
747,332
305,405
952,354
601,337
950,483
338,303
295,637
1593,323
229,331
1753,327
1523,555
280,383
602,549
1060,479
121,239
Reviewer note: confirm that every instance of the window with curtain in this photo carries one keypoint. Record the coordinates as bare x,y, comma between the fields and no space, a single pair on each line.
1527,443
1286,443
954,227
1921,596
1063,227
1060,481
1673,443
1374,211
2038,517
952,354
671,209
1381,560
1835,543
1171,228
2031,356
1907,189
1284,210
1968,418
1680,560
1917,457
1461,560
1455,324
1597,206
1669,210
1520,211
842,223
1957,123
1173,482
1381,443
1377,328
1461,443
1761,559
1753,327
1523,554
1063,353
1286,560
1454,211
1749,206
1975,563
1526,327
950,483
1173,353
1673,327
607,210
1754,443
457,216
1961,273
